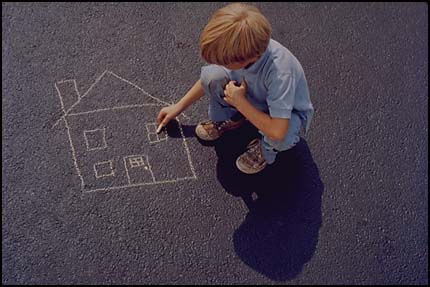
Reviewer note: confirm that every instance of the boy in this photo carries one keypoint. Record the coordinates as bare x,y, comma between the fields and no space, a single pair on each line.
251,77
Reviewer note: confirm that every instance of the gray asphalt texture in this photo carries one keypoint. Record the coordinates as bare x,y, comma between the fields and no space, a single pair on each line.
348,205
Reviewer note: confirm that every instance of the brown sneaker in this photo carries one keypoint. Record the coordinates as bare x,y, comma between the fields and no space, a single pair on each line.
210,130
251,161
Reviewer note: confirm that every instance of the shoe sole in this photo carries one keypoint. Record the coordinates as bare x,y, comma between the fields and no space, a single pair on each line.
249,171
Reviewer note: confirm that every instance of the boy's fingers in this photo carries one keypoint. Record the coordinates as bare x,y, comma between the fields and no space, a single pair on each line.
165,121
160,117
244,83
232,84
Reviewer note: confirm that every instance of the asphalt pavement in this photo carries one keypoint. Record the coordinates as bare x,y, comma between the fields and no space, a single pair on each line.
91,195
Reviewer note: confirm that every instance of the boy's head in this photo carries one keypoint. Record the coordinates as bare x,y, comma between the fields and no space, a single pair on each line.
235,36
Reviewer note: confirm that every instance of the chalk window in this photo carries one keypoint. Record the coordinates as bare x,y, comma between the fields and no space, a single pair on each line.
95,139
136,161
104,168
152,133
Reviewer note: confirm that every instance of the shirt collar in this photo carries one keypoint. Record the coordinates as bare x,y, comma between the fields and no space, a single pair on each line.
256,65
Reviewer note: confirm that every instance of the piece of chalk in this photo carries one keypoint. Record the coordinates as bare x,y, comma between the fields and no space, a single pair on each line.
159,128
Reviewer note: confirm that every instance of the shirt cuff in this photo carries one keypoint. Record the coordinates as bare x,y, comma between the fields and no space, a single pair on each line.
280,113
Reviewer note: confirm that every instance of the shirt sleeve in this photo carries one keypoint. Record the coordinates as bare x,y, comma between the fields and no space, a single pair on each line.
281,95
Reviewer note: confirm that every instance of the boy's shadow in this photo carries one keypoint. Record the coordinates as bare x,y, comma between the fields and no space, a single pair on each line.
176,130
280,232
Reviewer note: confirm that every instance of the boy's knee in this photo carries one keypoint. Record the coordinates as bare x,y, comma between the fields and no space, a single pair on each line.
291,138
273,145
214,75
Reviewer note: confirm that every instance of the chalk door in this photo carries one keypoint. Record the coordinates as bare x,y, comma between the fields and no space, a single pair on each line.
138,169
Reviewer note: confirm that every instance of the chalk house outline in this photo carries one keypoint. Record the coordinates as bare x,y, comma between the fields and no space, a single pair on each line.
90,114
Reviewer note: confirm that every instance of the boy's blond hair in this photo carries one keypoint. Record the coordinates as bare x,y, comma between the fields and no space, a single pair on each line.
235,33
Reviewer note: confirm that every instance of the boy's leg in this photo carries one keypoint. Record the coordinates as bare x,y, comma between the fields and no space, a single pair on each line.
271,148
214,79
223,117
259,153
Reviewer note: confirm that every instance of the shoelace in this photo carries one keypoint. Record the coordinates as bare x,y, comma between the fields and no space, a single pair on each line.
220,125
217,126
254,153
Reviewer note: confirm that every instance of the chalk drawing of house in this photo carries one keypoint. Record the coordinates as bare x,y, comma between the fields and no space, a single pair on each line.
111,131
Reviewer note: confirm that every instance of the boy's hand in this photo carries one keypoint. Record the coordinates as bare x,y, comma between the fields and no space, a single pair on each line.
235,95
166,114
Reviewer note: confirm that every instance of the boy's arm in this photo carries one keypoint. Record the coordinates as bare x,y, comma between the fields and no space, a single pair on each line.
168,113
274,128
194,94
